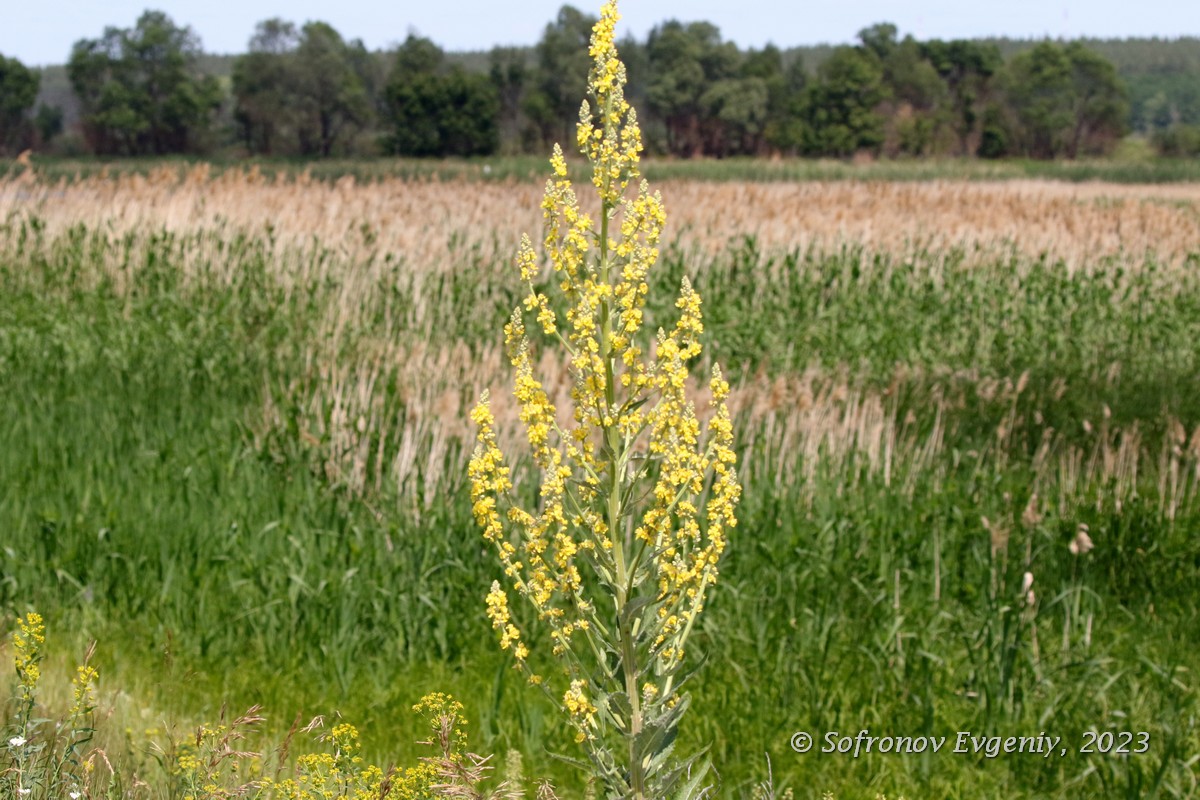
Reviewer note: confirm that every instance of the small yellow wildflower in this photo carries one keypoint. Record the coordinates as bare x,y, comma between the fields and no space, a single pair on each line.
84,690
27,643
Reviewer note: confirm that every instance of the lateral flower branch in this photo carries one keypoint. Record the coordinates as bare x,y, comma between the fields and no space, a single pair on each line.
637,495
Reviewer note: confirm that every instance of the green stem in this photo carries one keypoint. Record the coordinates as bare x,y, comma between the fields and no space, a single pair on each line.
612,437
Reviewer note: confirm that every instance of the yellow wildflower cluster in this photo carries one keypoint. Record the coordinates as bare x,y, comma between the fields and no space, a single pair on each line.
28,640
580,709
510,636
208,767
84,690
614,146
188,762
637,494
346,745
438,707
344,774
320,778
619,396
489,477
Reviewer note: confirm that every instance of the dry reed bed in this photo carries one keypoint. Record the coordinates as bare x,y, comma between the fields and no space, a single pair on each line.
418,220
795,427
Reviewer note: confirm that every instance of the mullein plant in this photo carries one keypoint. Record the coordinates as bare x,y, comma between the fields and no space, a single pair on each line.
637,495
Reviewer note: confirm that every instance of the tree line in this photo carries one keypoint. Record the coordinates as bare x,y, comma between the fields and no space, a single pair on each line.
305,91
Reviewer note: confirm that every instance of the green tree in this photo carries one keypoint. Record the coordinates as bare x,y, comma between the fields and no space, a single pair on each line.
687,62
509,71
561,76
435,111
265,84
967,67
302,91
414,95
1178,141
881,39
331,101
917,108
48,121
781,86
918,105
995,135
786,128
18,91
140,90
841,107
1066,101
736,112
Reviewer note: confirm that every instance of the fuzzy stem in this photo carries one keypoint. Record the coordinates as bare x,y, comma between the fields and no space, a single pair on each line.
615,452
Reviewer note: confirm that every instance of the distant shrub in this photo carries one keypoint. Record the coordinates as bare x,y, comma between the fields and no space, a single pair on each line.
1178,141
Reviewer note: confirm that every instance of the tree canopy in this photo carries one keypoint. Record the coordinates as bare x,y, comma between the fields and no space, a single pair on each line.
1066,101
18,92
140,90
301,91
304,90
433,110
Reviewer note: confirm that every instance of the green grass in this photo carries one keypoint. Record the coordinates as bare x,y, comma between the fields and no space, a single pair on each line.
1131,165
144,506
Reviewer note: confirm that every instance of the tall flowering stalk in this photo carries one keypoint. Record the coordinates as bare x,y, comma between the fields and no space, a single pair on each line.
637,495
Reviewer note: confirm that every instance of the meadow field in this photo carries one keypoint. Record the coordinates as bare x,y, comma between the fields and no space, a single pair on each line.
234,438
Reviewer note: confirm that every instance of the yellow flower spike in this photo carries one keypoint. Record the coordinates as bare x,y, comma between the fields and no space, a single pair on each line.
27,641
558,162
639,490
527,259
84,690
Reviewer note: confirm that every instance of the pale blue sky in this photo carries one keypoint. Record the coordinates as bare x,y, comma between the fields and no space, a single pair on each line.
42,31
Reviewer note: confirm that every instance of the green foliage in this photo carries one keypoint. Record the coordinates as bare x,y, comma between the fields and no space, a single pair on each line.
552,105
1179,141
994,136
739,109
18,91
967,67
264,87
704,96
694,88
331,98
140,91
434,111
301,92
510,72
840,106
782,85
919,100
1161,75
1066,101
48,121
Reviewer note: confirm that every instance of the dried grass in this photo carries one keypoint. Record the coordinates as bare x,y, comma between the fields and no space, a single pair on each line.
419,220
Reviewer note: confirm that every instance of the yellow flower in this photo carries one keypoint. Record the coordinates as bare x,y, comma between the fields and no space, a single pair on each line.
27,643
638,489
438,707
576,702
85,700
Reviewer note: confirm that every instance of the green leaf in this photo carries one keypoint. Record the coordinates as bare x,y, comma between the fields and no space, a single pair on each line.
617,708
692,790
